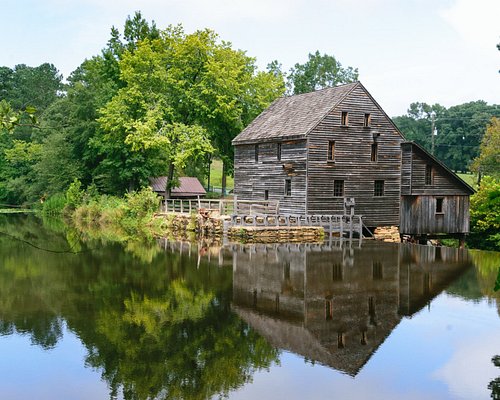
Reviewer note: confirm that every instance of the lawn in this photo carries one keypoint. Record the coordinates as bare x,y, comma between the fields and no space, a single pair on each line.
216,176
469,178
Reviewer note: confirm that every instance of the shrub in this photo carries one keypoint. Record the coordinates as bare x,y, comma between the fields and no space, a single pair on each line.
485,216
54,205
142,203
74,195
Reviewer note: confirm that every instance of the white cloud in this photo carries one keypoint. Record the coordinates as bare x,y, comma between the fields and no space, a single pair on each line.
464,381
476,21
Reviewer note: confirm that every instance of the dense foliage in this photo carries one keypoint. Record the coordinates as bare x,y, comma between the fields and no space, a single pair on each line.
154,102
458,130
485,216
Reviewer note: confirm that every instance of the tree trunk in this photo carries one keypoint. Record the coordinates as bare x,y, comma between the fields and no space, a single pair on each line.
170,176
224,169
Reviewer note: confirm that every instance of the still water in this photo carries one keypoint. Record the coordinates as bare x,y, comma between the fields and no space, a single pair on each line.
93,317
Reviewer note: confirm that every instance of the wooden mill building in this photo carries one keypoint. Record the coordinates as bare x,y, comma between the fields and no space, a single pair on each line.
313,151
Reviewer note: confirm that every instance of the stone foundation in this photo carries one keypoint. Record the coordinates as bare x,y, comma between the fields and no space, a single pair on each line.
276,234
205,222
387,234
209,223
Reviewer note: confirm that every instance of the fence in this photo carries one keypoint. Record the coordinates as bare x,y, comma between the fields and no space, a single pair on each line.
225,207
332,223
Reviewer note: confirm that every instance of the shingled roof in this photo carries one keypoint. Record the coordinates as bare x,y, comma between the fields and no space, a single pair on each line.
294,116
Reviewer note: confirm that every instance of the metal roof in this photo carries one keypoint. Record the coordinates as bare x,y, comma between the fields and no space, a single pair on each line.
188,186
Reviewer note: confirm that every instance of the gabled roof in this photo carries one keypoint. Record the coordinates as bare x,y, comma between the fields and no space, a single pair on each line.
188,186
294,116
454,176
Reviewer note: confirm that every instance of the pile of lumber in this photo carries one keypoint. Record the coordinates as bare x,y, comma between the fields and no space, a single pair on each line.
387,234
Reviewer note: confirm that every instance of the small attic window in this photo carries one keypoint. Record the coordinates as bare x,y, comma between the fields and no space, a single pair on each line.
367,121
256,153
428,174
331,150
344,118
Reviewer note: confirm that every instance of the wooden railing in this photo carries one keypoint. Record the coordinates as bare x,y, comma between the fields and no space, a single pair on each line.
332,223
225,207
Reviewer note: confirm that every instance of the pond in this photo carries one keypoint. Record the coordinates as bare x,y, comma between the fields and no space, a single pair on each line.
89,317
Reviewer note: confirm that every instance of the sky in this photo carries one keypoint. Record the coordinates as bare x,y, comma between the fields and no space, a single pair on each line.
433,51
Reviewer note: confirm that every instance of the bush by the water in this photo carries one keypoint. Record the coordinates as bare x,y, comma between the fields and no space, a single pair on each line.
54,205
485,216
131,214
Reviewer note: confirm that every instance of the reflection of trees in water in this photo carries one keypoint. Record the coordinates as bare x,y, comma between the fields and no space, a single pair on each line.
494,385
162,329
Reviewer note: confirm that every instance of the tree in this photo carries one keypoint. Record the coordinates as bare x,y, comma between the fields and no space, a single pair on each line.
459,130
485,216
488,161
182,93
320,71
416,125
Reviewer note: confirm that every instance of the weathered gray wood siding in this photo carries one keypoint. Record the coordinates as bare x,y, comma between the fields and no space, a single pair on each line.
443,182
252,178
353,162
419,216
406,171
419,199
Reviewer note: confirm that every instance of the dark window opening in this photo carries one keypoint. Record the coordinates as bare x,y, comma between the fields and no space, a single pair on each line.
428,174
439,206
378,188
344,118
256,153
364,338
328,309
374,155
438,255
288,187
371,311
377,270
340,340
367,121
266,194
337,273
331,150
278,151
338,188
427,283
286,272
277,303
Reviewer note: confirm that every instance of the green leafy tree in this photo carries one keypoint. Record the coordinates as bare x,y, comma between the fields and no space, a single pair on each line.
320,71
488,161
485,216
459,130
183,93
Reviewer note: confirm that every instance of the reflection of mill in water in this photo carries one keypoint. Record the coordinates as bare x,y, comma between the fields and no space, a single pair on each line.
336,307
